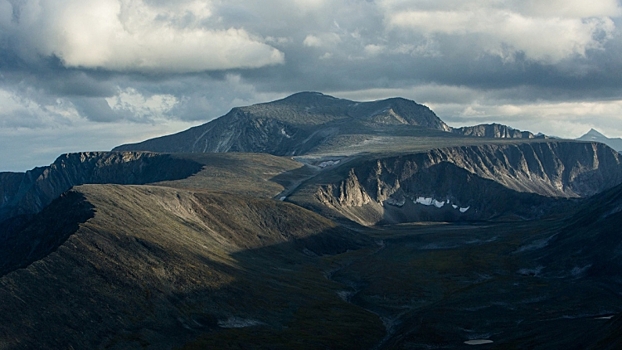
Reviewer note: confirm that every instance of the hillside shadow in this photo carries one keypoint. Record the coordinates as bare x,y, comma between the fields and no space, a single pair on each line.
277,297
31,238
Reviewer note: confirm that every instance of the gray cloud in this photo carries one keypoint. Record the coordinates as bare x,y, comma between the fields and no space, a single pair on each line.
99,63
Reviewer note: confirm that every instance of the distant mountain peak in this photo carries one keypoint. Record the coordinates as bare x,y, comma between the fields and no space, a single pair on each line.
595,136
593,133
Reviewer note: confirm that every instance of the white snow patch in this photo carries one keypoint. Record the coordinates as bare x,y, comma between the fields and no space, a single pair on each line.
424,201
345,295
538,244
237,322
604,317
478,342
438,204
284,133
576,271
283,198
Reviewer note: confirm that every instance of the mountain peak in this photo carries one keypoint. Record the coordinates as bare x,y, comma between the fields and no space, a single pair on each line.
307,96
593,133
595,136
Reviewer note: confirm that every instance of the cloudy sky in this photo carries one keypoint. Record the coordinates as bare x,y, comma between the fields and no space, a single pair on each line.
92,74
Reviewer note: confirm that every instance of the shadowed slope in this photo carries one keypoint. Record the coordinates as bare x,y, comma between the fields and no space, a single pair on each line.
161,266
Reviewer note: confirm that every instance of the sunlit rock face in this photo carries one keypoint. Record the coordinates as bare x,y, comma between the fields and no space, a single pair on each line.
474,182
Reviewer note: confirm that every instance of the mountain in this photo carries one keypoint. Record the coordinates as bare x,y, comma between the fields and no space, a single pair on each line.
314,123
295,125
350,225
595,136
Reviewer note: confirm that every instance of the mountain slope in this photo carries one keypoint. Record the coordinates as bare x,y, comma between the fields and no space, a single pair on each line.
156,267
595,136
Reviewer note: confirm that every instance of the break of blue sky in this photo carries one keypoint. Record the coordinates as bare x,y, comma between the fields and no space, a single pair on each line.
92,74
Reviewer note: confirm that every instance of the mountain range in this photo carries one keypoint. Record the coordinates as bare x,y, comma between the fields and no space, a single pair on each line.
317,222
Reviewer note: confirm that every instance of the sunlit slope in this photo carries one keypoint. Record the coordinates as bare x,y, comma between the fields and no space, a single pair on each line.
156,265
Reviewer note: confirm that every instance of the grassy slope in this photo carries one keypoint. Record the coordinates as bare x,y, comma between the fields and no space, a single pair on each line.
258,175
162,266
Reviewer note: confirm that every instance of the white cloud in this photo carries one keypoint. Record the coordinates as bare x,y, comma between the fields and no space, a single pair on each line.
133,35
322,40
563,119
502,29
373,49
312,41
570,8
141,107
23,112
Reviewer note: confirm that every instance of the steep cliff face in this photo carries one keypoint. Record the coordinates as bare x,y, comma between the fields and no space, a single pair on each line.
30,192
494,131
10,183
473,182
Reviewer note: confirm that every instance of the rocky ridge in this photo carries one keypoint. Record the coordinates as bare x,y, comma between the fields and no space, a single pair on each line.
495,131
28,193
472,182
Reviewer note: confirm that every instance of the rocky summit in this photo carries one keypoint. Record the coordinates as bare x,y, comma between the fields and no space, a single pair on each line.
317,222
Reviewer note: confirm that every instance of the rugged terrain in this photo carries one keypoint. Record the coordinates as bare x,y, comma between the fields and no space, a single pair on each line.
352,225
518,180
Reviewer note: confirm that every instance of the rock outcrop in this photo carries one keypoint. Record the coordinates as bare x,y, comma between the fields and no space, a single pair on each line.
473,182
495,131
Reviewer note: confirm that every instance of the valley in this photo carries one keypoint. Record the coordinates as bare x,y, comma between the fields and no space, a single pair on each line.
314,222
